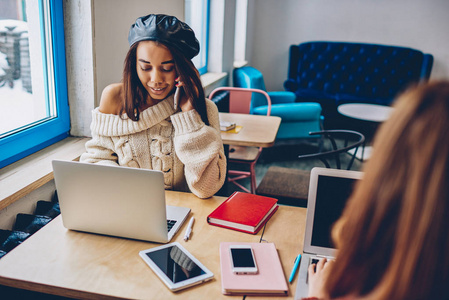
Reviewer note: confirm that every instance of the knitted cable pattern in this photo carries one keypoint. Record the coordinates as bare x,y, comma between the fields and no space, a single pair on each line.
161,149
189,153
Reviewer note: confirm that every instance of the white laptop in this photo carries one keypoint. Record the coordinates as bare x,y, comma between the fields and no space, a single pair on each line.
118,201
329,189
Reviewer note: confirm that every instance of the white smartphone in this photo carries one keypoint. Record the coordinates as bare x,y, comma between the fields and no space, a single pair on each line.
177,98
242,259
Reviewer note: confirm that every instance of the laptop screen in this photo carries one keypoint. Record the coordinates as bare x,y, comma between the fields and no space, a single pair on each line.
332,193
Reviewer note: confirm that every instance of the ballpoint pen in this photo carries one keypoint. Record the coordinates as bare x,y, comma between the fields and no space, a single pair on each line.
295,267
188,230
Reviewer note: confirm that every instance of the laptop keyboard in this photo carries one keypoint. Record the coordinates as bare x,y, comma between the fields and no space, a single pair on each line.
170,224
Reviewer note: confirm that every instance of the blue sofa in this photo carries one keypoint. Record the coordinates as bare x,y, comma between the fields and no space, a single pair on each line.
333,73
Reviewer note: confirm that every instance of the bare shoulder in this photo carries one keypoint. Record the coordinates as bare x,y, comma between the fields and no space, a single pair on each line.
112,99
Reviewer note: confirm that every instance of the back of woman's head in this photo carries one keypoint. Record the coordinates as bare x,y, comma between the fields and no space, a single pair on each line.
393,237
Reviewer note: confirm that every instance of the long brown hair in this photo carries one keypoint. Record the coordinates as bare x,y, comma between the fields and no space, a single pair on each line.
393,236
135,94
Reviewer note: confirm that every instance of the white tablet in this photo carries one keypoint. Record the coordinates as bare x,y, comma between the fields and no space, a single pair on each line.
177,268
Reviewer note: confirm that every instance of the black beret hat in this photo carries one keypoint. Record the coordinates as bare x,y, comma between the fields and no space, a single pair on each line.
167,30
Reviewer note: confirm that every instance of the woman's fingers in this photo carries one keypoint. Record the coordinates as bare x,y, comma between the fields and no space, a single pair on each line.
320,264
178,82
313,268
318,274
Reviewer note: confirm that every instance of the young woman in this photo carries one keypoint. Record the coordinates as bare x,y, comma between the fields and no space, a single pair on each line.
393,237
138,124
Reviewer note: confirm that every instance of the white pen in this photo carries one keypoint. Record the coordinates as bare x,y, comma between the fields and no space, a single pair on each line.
189,229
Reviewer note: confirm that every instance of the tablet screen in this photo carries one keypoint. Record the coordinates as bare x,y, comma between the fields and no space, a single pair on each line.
175,264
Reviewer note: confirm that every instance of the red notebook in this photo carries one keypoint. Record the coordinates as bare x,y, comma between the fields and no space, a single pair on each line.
244,212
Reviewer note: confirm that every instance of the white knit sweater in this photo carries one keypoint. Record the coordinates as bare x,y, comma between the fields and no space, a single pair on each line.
177,143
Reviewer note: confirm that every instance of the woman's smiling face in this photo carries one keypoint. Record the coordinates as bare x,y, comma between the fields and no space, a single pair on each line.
156,69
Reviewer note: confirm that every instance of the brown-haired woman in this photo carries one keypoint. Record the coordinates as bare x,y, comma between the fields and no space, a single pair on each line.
393,236
139,123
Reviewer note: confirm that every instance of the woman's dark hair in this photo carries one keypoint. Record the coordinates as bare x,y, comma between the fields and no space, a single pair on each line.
135,94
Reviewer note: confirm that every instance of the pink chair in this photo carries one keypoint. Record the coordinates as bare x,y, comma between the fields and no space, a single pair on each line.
239,102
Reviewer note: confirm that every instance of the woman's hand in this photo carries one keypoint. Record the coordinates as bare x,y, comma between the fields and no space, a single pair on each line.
318,274
184,104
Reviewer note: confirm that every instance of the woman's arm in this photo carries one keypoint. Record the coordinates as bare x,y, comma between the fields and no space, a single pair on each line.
200,149
100,148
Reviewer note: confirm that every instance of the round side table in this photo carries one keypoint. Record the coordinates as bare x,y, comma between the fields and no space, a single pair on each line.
366,112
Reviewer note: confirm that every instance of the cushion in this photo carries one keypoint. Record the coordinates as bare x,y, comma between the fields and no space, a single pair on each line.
305,111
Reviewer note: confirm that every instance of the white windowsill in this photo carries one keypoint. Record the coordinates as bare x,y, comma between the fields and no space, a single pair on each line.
24,176
239,64
211,81
209,78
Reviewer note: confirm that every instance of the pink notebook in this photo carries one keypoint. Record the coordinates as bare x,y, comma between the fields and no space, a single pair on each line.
270,279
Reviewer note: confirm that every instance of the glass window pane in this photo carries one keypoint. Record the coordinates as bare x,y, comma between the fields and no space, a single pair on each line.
33,86
19,104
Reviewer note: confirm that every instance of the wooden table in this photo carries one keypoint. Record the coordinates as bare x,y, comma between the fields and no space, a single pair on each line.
81,265
286,230
257,131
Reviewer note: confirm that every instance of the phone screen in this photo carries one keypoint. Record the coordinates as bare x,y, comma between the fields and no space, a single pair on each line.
242,258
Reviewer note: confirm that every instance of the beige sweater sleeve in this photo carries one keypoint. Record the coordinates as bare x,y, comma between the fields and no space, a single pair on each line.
100,150
200,149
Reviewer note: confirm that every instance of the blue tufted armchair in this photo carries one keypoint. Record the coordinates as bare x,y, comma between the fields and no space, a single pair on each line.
298,119
333,73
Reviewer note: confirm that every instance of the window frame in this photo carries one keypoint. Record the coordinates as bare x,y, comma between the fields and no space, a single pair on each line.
203,69
205,47
48,131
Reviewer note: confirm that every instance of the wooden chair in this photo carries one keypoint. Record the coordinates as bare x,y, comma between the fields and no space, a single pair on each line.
240,102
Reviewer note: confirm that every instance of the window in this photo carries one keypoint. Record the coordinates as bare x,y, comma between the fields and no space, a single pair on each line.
33,84
241,12
197,16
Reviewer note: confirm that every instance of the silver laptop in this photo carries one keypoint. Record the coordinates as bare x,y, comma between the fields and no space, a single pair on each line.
329,190
118,201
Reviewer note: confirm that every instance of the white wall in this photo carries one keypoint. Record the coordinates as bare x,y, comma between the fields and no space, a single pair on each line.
276,24
80,64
